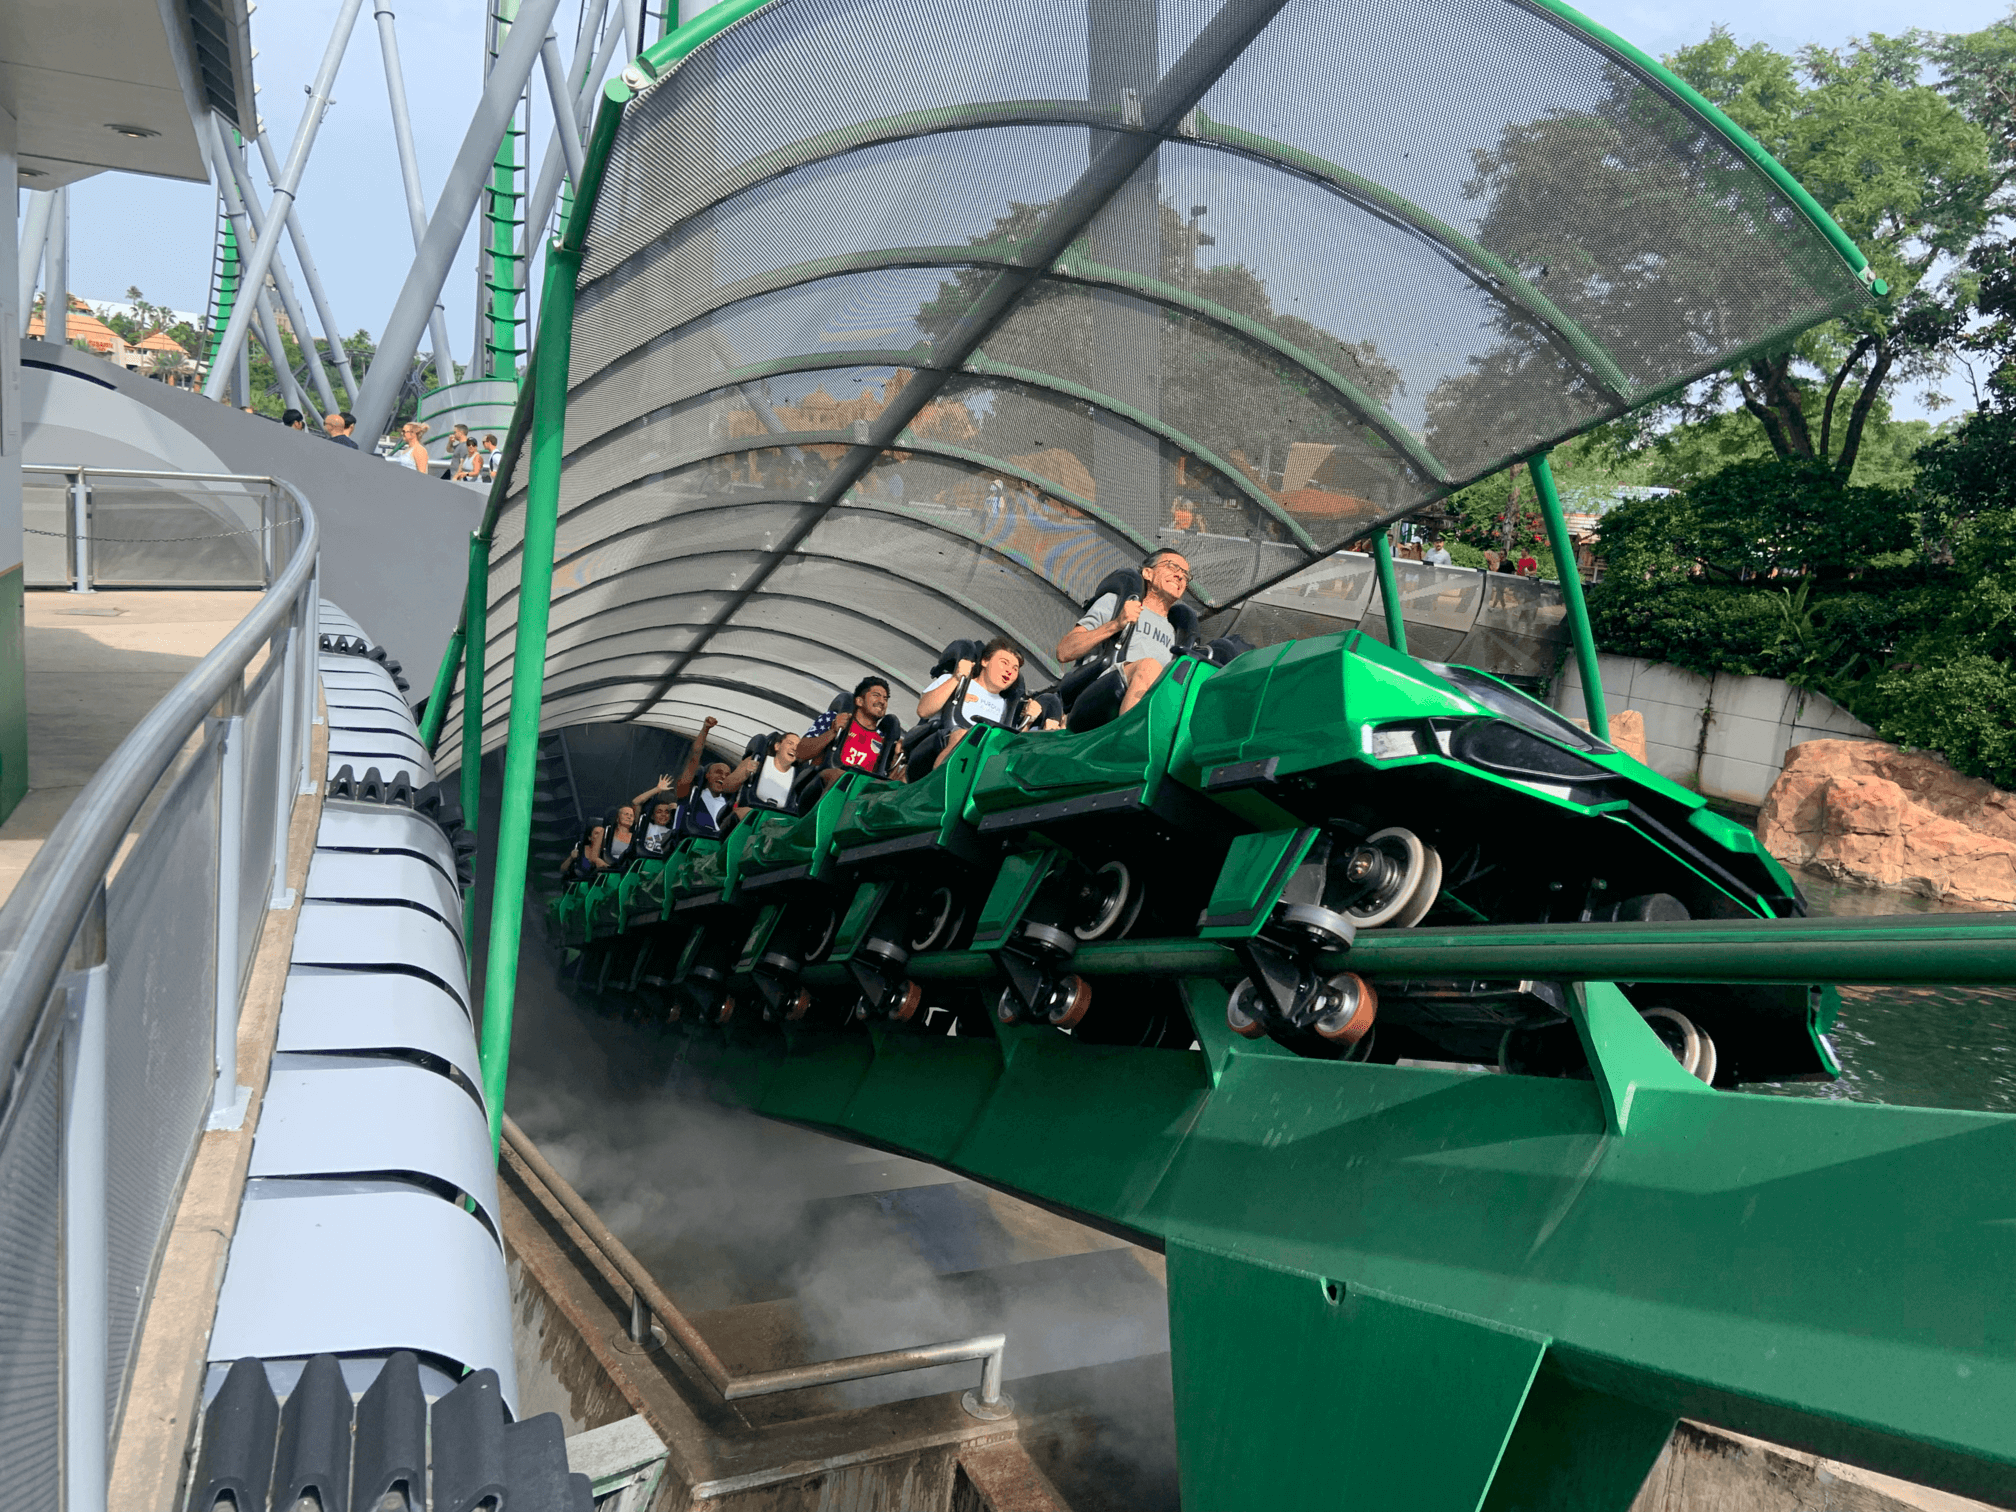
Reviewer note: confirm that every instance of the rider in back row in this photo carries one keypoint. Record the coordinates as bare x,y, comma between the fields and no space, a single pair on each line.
1121,644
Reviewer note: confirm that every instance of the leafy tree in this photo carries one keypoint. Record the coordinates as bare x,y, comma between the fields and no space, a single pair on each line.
1905,170
1226,392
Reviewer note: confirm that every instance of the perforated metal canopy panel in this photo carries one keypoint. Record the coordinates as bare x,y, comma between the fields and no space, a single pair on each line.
898,326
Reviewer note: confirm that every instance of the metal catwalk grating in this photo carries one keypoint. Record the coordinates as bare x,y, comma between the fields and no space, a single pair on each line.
960,325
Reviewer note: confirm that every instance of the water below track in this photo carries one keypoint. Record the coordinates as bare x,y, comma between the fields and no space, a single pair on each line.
1927,1047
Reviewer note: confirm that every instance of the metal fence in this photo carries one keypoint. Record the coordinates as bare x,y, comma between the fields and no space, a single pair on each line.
124,950
1510,625
121,527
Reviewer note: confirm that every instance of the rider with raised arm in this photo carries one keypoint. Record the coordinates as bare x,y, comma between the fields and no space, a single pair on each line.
705,810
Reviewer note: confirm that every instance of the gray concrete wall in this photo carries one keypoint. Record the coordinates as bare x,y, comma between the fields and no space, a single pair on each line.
394,544
1724,736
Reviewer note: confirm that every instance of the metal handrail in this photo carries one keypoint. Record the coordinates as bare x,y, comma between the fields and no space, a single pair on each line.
146,472
648,1300
47,904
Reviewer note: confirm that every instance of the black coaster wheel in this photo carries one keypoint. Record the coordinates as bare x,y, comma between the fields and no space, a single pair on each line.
1401,875
820,940
1239,1015
935,920
1689,1042
1120,894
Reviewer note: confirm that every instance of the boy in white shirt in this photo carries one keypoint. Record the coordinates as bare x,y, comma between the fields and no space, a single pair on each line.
981,688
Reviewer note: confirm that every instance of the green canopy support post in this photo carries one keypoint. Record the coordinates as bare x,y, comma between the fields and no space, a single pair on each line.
444,690
528,671
475,633
1571,596
1389,592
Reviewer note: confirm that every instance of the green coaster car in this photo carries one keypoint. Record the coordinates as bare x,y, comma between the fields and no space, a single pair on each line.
1441,795
1283,803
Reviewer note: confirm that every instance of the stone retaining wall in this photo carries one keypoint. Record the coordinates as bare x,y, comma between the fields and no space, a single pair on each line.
1724,736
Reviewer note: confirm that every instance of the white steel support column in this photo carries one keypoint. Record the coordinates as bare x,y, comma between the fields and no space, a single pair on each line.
450,220
313,278
261,260
56,287
34,240
409,173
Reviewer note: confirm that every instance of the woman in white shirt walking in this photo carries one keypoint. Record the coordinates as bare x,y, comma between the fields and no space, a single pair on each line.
413,453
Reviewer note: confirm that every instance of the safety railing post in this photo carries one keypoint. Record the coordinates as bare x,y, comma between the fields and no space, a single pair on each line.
311,682
86,1302
282,896
528,673
1579,631
1389,592
228,728
80,532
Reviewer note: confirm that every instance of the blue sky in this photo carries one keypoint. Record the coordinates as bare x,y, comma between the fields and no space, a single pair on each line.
157,234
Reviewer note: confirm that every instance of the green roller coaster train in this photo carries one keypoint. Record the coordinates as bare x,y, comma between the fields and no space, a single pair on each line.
1223,975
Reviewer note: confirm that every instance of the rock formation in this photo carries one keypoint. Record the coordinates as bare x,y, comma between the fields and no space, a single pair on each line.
1865,812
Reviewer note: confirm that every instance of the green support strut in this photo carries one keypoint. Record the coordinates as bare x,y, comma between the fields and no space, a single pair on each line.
1389,592
528,672
444,690
475,633
1571,596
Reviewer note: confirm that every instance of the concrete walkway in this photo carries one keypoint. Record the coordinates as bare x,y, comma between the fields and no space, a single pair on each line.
96,664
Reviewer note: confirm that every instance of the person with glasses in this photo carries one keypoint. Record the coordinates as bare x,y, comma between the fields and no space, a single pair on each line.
1143,619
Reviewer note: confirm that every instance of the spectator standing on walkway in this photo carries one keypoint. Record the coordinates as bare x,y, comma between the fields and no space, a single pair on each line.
1527,566
293,419
1438,555
461,453
412,452
337,428
487,460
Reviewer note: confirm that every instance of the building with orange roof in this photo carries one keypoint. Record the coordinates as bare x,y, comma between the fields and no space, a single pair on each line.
142,356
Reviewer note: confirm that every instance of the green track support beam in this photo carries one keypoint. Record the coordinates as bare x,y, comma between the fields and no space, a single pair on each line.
1571,595
528,671
1389,592
444,690
1405,1287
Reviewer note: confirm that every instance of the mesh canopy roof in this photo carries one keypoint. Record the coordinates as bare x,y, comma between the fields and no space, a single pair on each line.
900,324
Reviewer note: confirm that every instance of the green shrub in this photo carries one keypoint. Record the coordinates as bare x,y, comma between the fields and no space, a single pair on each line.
1965,709
1463,554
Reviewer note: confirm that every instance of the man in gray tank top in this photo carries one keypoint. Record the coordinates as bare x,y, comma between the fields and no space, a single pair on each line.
1151,639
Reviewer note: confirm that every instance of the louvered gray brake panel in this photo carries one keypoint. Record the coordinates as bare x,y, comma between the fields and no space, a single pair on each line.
363,1268
351,876
329,1115
353,1238
352,707
367,937
336,620
350,1012
376,827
